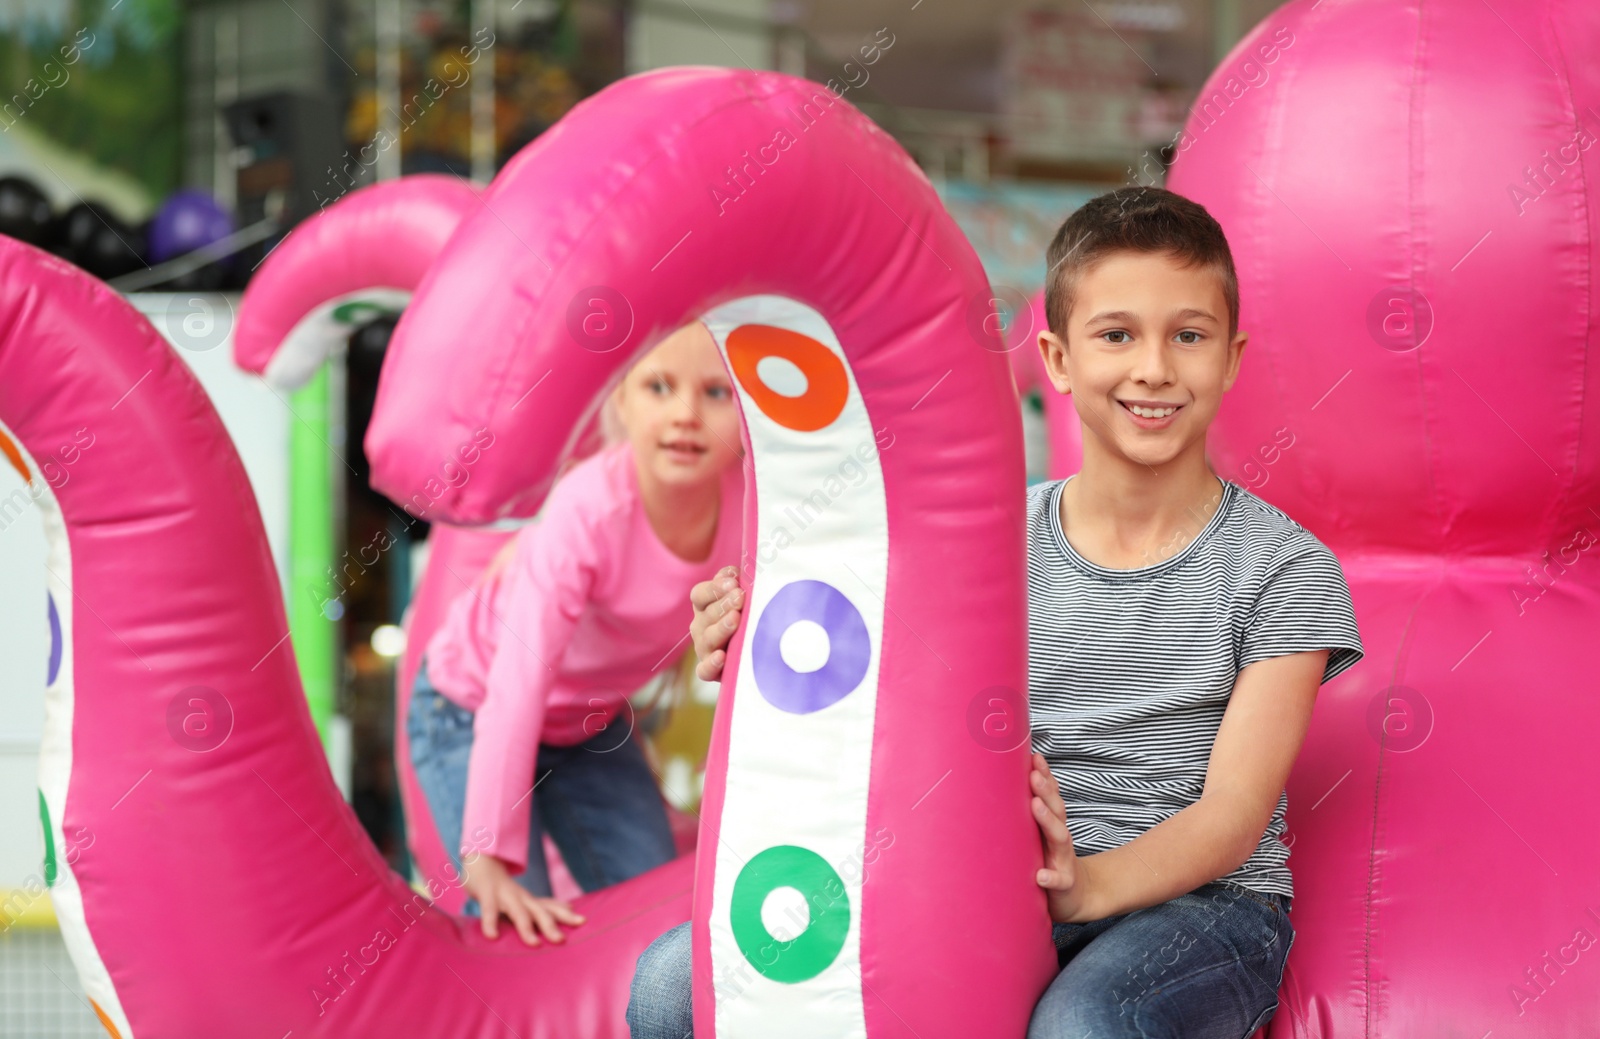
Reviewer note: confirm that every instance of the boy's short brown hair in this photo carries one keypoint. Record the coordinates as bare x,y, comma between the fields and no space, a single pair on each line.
1150,220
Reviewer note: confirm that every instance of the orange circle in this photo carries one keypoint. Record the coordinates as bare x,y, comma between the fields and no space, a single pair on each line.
14,456
105,1019
827,384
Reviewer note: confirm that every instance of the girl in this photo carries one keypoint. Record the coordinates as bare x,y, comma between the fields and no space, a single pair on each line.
532,667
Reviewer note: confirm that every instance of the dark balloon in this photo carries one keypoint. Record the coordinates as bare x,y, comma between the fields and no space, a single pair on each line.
24,211
92,237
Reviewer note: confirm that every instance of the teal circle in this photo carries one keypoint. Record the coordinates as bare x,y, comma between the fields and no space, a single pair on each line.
810,953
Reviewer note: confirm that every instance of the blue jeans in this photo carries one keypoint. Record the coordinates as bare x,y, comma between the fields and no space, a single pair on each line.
598,798
659,1003
1205,965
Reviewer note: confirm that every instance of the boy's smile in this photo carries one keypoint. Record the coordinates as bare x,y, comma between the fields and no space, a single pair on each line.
1151,414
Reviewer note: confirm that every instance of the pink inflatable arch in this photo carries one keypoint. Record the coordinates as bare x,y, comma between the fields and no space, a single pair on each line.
837,287
1410,193
362,255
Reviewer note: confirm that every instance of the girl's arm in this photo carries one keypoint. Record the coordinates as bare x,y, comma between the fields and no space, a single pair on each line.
550,577
1259,738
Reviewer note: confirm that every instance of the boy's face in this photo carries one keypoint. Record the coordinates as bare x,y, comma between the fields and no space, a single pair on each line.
1145,333
677,405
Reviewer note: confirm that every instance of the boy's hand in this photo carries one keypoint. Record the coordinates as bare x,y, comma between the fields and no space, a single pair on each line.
717,605
488,880
1063,877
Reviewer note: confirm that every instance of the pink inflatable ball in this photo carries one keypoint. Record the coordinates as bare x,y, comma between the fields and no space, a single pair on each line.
1410,194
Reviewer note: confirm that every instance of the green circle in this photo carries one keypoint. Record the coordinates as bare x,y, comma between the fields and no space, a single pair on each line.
360,311
810,953
49,843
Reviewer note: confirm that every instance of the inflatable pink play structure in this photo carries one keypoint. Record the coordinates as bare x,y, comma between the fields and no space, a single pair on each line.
1411,198
1416,240
362,255
192,829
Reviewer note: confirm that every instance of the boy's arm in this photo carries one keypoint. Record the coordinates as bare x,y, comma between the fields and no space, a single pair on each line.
1256,745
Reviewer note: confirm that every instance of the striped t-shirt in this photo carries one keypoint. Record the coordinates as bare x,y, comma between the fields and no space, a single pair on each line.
1129,671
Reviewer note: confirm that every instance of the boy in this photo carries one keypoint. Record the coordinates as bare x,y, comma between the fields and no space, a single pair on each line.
1179,628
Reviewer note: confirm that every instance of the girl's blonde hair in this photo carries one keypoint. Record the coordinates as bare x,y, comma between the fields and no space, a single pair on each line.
611,428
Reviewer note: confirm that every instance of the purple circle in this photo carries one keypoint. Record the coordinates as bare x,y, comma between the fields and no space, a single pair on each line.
55,641
849,648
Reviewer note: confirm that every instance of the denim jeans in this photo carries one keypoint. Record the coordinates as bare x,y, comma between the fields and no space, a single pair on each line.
1205,965
598,799
659,1004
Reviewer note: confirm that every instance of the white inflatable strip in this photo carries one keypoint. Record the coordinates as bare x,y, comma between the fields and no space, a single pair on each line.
797,780
311,339
55,751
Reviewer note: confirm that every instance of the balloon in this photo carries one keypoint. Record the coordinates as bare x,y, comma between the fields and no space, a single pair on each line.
24,211
1410,194
94,238
839,290
187,220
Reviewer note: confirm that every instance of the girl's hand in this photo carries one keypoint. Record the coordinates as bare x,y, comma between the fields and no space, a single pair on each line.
488,880
1063,878
717,604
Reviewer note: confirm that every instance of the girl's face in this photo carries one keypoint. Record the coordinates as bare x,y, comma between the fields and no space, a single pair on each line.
677,405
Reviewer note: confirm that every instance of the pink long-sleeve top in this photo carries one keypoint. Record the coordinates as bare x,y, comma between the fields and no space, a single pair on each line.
548,647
